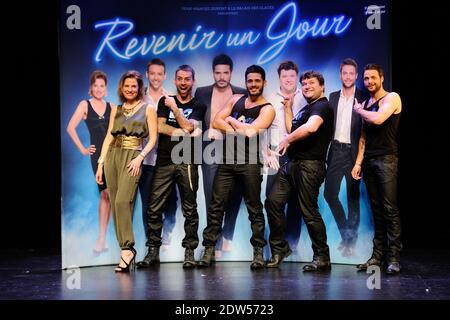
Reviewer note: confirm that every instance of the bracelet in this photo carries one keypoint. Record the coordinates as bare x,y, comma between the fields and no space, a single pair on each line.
358,164
142,154
100,160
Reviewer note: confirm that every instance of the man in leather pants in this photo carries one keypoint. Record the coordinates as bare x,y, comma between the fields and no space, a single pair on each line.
243,120
378,160
178,117
309,134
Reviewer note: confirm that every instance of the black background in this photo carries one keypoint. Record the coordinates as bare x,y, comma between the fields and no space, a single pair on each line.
31,212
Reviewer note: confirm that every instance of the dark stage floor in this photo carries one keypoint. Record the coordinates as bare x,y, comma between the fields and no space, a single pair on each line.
37,275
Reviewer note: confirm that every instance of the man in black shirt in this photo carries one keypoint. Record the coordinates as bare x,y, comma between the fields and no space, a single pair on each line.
309,134
178,117
378,148
242,119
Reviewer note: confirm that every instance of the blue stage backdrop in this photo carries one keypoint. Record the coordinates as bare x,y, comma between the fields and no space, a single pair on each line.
117,35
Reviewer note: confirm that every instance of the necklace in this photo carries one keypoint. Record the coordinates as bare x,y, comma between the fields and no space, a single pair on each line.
128,112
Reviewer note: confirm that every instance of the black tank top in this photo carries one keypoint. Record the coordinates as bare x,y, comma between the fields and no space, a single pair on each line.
237,148
381,139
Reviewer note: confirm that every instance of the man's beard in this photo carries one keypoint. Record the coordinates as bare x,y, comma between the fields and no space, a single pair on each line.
375,90
184,94
260,92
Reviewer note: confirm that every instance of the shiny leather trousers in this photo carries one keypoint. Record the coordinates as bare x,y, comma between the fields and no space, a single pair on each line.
380,177
249,180
186,178
302,178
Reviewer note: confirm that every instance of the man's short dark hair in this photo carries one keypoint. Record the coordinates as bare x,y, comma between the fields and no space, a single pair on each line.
222,59
255,69
186,67
313,74
374,66
158,62
287,65
349,62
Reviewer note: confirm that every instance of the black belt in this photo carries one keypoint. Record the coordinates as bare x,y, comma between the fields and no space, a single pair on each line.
338,144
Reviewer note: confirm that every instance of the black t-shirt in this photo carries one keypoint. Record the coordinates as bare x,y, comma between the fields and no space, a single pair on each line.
193,109
315,146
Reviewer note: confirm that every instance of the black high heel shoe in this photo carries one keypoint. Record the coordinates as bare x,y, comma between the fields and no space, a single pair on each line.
129,265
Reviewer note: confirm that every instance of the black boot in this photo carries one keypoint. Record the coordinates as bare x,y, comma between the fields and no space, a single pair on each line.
151,259
189,260
208,258
277,258
318,265
258,258
371,262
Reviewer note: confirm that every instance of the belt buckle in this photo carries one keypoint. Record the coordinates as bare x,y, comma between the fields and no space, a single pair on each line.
119,141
